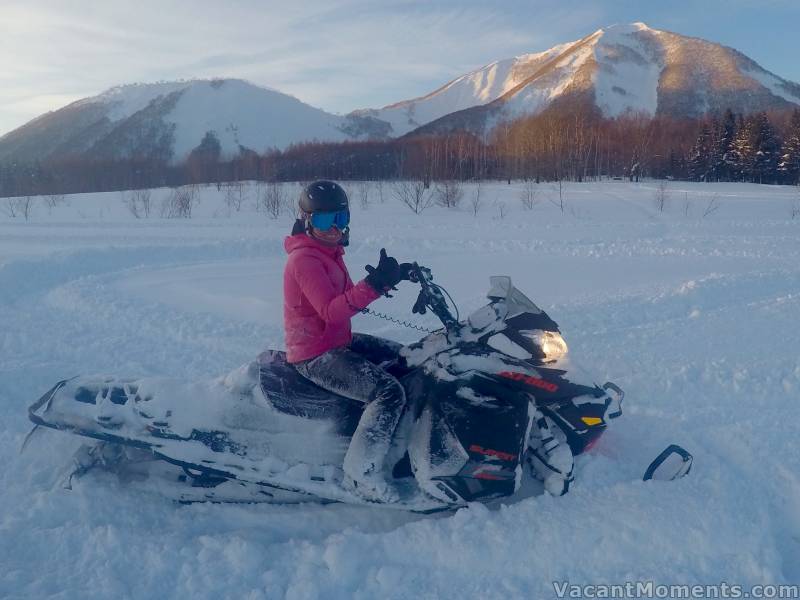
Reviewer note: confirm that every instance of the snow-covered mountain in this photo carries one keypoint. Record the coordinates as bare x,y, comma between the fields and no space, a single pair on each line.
623,68
617,70
169,120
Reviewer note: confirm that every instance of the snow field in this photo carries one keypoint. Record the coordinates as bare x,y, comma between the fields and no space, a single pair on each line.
694,316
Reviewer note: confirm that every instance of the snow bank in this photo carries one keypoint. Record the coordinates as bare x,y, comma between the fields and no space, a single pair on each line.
696,318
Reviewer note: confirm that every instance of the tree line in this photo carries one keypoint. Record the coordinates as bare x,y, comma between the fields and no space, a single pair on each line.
553,146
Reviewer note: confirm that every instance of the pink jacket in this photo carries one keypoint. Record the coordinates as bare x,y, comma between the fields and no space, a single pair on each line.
319,298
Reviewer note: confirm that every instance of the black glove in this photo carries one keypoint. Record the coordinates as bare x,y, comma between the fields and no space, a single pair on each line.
406,271
420,306
386,275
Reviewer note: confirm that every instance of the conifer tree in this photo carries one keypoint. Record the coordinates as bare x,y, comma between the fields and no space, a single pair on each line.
789,165
767,150
722,166
700,155
714,129
742,153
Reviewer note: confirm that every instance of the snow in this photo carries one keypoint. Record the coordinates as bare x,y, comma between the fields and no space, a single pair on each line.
628,72
773,84
477,87
625,73
621,65
537,95
126,100
624,65
694,317
243,114
238,112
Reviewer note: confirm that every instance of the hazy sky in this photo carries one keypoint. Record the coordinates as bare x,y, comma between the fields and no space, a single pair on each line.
334,54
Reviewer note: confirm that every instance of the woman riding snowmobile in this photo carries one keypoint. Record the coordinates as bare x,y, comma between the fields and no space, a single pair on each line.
450,419
319,301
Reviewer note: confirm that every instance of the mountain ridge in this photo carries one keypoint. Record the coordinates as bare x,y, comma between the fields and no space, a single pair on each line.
667,74
617,70
240,114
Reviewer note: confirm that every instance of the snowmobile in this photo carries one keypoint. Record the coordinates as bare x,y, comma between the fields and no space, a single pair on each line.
490,398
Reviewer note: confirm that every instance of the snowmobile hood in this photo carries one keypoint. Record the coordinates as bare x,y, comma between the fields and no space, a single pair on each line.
301,240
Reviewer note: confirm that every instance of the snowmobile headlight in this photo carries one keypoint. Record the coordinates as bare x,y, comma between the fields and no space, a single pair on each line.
551,343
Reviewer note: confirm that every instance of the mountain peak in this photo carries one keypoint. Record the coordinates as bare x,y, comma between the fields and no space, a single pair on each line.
166,120
622,29
622,68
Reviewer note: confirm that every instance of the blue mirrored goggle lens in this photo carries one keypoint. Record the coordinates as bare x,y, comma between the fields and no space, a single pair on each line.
323,221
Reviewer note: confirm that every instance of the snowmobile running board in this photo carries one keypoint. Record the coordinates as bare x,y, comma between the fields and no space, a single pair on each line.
42,405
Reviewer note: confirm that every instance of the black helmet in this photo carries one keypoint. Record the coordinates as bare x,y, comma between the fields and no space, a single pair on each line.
323,196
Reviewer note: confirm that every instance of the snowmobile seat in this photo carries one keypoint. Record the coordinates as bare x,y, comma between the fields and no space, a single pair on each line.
291,393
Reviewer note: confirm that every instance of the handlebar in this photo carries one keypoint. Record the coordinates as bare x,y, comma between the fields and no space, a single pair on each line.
431,297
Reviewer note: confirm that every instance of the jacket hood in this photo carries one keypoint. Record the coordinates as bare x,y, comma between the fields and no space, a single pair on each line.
301,240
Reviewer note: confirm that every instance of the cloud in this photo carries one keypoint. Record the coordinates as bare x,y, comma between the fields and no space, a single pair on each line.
336,55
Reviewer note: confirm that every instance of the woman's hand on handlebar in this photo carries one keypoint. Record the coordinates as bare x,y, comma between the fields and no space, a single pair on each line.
407,272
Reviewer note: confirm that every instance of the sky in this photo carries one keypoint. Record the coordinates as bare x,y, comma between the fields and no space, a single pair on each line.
338,55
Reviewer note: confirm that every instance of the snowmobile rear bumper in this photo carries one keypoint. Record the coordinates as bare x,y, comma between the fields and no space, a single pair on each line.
43,404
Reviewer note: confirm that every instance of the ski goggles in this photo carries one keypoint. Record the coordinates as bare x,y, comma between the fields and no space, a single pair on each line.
325,220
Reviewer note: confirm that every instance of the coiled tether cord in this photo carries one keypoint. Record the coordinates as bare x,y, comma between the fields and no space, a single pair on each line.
408,324
391,319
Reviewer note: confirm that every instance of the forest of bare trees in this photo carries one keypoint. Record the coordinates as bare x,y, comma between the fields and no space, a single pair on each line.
552,146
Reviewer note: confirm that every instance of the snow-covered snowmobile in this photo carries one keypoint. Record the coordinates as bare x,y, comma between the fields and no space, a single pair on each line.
486,397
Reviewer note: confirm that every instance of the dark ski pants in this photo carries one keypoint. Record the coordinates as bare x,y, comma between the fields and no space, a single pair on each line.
353,372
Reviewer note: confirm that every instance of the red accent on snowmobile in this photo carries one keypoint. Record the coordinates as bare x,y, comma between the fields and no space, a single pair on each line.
532,381
507,456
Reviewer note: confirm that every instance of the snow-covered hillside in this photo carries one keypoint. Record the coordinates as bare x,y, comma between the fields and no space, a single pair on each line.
170,120
619,69
693,311
473,89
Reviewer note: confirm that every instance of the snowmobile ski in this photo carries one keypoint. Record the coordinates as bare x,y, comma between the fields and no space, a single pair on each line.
673,463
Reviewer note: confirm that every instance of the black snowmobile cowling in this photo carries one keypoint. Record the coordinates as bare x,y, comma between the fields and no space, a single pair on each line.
486,395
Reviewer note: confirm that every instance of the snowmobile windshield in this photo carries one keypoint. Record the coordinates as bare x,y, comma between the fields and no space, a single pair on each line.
517,302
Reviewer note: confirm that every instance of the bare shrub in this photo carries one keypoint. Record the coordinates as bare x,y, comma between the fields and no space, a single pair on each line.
448,193
143,198
10,208
561,188
235,195
528,195
138,202
712,206
661,195
258,191
272,199
502,210
379,189
180,203
476,199
362,192
26,206
794,207
414,194
123,198
51,201
20,206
